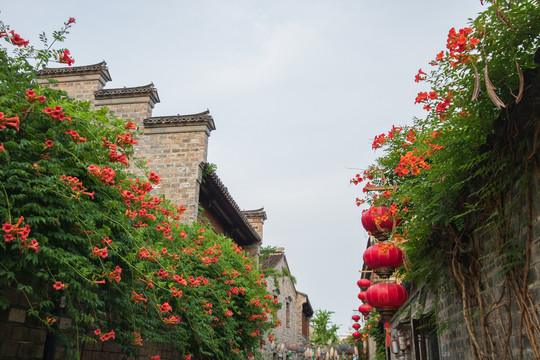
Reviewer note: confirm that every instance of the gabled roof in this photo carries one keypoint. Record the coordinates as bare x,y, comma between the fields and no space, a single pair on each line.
216,199
99,68
272,260
203,118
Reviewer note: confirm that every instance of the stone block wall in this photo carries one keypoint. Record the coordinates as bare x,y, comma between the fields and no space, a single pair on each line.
22,337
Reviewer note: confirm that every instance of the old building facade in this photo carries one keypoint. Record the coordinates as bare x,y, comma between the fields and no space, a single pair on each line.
295,313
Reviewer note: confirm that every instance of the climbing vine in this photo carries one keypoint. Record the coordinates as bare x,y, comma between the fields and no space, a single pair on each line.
87,240
463,178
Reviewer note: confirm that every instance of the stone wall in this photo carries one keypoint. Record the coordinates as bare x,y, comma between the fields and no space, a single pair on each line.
24,337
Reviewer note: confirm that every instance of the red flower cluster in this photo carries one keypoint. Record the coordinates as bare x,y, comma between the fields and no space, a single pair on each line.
418,77
15,39
100,252
380,140
171,320
12,121
76,185
126,139
459,43
65,58
121,158
138,297
165,307
21,233
236,291
70,21
443,106
137,339
115,274
105,175
130,125
32,98
77,139
56,113
411,164
424,96
104,337
154,178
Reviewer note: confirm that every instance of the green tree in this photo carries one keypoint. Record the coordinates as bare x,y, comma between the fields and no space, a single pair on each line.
324,331
81,230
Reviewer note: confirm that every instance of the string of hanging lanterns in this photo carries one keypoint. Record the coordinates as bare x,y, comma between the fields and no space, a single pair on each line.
383,258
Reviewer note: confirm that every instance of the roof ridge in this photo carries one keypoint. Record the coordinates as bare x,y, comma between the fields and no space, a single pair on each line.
202,117
99,67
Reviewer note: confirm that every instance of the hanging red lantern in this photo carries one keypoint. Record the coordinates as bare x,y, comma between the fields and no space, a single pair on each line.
356,317
356,326
356,335
363,284
362,296
379,220
386,298
383,259
365,309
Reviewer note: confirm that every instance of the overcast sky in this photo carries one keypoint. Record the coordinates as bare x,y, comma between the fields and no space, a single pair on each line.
298,89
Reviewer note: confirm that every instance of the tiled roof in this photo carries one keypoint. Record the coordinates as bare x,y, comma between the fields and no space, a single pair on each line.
145,90
200,118
70,70
213,188
258,213
272,260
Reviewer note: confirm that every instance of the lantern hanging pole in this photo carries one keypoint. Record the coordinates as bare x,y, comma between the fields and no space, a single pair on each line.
384,187
365,271
381,188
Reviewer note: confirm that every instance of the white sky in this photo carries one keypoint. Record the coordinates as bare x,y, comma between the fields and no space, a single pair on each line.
298,89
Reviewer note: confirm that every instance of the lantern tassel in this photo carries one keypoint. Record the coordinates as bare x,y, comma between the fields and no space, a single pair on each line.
387,326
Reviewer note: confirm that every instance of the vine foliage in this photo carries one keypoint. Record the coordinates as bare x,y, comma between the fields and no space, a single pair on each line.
86,239
466,177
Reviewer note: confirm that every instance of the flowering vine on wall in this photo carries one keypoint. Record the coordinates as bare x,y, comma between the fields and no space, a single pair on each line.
443,173
86,239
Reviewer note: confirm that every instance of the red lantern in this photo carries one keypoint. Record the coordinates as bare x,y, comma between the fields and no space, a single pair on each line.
383,259
363,284
356,326
356,334
373,215
386,298
364,309
362,296
356,317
